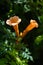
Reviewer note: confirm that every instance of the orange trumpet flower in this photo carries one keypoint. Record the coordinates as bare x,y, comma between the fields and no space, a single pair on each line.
14,21
33,24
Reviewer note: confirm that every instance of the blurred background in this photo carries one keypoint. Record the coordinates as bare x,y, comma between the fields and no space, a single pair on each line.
26,51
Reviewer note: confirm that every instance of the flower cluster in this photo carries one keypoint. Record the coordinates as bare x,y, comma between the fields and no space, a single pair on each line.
15,20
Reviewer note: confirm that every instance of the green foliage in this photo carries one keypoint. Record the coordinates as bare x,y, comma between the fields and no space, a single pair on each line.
13,52
39,39
10,49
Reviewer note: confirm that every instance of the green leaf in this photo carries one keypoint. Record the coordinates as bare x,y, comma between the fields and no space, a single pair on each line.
38,39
